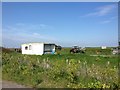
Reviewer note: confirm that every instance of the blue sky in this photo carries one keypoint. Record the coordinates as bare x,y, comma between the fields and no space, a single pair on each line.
66,24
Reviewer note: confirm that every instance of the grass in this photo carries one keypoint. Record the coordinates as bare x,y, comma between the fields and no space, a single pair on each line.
0,73
63,70
0,65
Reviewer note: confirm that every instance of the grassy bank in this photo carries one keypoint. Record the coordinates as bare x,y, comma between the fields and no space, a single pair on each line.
63,70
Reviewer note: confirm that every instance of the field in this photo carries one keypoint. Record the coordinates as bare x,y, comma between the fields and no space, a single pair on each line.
95,69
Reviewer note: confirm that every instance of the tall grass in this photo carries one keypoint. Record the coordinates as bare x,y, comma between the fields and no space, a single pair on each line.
62,70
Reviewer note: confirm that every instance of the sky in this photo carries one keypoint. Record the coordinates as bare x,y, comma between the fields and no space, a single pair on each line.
86,24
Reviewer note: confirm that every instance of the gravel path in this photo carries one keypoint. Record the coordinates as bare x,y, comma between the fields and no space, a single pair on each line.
10,84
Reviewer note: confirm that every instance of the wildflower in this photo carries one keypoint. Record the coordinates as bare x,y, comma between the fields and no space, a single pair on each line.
47,66
104,86
85,62
114,67
108,62
79,61
38,61
66,60
43,60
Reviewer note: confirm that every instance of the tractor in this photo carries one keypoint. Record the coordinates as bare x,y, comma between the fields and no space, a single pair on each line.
77,49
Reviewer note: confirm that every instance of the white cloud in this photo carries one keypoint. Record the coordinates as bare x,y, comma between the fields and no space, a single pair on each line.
115,17
106,21
28,27
102,11
36,34
21,33
43,25
20,24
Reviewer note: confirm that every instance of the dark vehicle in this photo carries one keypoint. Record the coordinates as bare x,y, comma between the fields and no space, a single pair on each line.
58,47
77,49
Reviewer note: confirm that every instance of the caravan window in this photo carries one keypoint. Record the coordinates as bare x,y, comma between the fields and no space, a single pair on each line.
26,47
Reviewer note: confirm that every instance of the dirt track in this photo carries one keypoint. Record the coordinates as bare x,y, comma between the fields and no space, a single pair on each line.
10,84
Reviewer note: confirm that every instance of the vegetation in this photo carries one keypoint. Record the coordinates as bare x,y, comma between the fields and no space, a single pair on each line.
63,70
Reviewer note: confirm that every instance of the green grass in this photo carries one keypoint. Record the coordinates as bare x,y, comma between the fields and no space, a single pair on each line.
63,70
